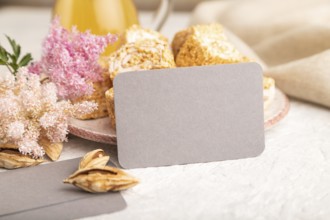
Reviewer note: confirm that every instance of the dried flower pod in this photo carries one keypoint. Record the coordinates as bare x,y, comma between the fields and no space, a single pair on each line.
10,159
8,146
52,150
97,180
95,158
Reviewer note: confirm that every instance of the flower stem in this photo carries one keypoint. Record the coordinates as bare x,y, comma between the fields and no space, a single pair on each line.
10,70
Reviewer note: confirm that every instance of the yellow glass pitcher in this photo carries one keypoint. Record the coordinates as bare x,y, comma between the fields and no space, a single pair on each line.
104,16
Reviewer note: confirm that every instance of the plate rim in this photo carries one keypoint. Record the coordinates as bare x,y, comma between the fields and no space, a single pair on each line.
92,135
112,139
285,110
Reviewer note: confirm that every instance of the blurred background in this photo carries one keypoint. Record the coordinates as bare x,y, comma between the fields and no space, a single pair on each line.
180,5
27,21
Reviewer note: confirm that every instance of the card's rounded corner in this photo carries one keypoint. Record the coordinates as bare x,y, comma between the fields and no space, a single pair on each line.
257,66
123,163
117,77
259,151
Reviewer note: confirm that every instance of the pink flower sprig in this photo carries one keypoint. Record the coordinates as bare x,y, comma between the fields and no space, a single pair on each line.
70,60
30,110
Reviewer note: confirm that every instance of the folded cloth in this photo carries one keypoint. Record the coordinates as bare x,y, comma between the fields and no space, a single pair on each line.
307,78
292,37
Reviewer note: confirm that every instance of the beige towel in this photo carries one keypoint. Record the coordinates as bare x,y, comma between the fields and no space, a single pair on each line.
291,36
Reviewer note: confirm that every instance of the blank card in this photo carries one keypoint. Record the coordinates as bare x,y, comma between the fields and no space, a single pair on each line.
189,115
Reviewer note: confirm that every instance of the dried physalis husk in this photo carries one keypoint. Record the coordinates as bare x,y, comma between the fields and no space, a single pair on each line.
97,179
52,150
10,159
95,158
8,146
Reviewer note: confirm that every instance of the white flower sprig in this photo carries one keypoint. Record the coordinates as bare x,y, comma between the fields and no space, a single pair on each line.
30,110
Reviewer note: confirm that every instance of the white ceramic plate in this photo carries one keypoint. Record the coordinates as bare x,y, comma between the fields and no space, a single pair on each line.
100,130
277,110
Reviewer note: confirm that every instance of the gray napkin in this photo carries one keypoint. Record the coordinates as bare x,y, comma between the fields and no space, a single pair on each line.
38,193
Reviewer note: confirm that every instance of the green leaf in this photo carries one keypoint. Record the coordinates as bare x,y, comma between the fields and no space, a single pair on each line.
13,58
10,59
16,48
3,54
18,52
14,66
25,60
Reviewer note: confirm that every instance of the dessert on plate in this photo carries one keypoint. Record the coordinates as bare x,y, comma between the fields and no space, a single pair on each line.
269,91
127,40
136,33
201,45
143,50
98,97
205,45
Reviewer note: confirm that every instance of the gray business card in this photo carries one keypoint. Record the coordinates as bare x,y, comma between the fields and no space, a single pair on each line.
39,193
189,115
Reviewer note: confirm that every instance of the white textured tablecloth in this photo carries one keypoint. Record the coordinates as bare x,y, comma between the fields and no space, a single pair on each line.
290,180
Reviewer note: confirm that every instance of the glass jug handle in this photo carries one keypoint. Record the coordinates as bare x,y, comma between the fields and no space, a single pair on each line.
162,14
